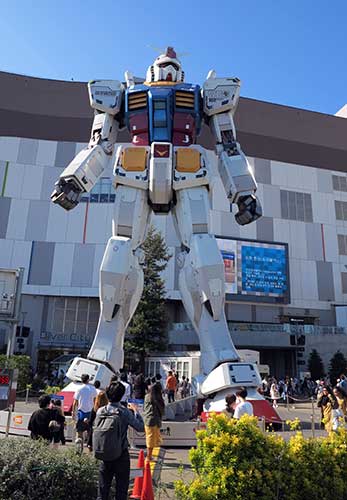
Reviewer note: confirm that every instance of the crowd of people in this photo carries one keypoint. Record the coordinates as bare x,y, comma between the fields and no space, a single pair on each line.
289,389
331,399
90,404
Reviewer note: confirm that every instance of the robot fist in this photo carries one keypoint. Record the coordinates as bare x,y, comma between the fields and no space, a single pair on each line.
249,209
67,193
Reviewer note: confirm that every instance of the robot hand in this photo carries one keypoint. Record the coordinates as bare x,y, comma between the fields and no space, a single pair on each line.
249,209
67,193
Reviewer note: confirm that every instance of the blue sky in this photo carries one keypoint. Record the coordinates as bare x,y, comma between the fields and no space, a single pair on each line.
290,52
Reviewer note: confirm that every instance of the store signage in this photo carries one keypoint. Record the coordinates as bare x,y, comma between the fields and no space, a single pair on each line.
66,338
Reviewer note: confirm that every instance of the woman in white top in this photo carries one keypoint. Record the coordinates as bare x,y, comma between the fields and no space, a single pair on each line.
244,407
274,393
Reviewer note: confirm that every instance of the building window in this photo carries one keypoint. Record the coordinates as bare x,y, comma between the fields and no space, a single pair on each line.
296,206
342,241
339,183
344,282
341,210
74,315
102,192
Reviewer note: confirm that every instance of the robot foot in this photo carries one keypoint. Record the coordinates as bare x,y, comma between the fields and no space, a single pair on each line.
95,370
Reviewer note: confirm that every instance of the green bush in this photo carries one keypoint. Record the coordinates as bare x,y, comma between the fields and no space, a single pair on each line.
22,363
33,470
235,460
52,389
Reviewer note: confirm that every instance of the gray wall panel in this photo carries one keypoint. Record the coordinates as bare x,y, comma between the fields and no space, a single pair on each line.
265,228
41,263
324,181
27,152
325,280
239,312
267,314
38,212
83,261
272,201
229,226
314,241
5,206
50,176
262,170
65,153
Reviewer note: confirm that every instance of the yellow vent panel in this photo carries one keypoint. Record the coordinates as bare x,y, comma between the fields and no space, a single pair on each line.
134,159
187,160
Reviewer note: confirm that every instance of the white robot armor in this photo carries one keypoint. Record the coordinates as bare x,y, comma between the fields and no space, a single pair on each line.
163,170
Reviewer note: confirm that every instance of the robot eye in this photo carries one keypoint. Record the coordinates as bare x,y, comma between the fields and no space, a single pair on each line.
165,65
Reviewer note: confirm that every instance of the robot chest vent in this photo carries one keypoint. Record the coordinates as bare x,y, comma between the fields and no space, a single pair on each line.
137,100
184,99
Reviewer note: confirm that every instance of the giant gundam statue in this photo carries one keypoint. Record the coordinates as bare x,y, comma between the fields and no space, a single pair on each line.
164,170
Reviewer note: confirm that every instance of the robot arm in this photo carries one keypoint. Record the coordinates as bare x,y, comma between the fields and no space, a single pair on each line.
220,99
83,172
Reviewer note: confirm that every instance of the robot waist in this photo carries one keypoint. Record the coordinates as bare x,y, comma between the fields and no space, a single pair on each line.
147,167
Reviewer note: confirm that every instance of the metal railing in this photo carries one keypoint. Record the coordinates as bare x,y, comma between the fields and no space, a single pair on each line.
271,328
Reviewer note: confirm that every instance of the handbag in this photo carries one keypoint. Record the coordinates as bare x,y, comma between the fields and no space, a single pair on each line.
54,426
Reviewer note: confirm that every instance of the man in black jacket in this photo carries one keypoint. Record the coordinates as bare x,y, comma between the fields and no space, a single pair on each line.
40,419
120,468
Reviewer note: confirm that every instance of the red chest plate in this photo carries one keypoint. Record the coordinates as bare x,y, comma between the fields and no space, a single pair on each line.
183,129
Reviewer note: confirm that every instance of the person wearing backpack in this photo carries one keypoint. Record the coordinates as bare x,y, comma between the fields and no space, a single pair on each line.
110,443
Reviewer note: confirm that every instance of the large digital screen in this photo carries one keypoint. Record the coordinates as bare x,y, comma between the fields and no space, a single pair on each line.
255,270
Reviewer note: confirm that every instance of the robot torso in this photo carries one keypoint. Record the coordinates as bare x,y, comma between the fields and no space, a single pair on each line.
163,112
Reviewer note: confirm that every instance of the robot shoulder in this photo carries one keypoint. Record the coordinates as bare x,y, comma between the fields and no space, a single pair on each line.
220,95
106,95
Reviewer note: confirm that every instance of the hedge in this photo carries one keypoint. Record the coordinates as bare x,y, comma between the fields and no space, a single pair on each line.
235,460
33,470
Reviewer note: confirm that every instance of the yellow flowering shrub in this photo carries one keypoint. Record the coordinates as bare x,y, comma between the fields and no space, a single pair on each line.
235,460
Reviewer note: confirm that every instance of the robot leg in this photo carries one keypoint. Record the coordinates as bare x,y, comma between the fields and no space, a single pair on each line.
201,278
121,284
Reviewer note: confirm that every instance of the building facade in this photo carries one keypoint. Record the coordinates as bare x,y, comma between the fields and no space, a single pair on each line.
300,163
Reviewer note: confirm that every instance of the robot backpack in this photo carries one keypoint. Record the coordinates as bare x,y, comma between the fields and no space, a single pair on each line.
107,435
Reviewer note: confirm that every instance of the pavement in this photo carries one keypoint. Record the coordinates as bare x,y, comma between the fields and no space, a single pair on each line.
173,463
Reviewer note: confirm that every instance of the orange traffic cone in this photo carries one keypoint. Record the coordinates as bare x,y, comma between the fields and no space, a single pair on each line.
147,489
137,489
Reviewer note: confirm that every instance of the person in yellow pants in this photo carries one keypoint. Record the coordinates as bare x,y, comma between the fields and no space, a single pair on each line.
153,412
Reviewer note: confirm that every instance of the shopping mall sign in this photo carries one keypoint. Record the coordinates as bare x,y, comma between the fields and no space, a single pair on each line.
62,339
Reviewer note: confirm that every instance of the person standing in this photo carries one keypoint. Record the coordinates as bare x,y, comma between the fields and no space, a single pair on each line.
59,434
341,399
243,407
119,468
183,387
82,406
274,393
139,387
170,386
100,401
326,402
153,412
230,404
97,386
39,423
127,394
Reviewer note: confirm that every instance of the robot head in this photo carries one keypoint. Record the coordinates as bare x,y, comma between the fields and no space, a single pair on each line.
166,68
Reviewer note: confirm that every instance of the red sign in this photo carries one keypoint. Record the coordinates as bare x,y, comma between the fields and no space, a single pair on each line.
4,380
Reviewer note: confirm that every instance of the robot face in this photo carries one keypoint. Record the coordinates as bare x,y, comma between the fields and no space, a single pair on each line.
166,68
